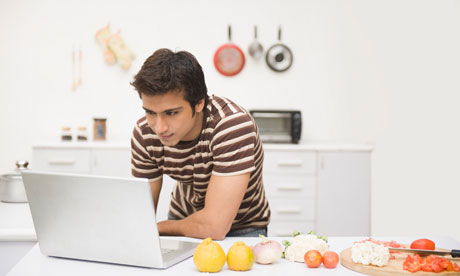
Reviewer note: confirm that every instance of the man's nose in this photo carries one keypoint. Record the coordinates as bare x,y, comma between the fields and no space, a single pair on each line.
160,125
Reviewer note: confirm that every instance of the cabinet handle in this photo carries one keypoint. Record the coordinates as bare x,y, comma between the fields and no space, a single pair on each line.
289,188
290,163
61,162
283,234
289,211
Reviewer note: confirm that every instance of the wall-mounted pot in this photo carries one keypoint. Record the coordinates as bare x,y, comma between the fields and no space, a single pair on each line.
279,57
11,185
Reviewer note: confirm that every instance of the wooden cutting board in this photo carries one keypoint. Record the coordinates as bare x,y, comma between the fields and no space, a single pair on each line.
394,267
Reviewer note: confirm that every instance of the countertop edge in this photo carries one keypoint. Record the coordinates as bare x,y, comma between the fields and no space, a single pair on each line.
269,146
18,235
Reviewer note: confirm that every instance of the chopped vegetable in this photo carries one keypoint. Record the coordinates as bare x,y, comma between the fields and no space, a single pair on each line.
370,253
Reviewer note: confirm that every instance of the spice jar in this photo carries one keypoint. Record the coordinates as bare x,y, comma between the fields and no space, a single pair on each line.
82,134
66,134
100,129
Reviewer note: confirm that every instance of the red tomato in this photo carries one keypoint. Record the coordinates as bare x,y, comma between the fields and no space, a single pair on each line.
313,258
425,244
456,267
412,264
446,264
427,267
437,267
330,259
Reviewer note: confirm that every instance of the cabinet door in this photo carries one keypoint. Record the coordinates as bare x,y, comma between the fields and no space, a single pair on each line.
343,206
112,162
61,160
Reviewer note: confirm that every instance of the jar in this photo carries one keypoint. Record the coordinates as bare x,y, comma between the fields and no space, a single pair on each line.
82,133
66,134
100,129
12,188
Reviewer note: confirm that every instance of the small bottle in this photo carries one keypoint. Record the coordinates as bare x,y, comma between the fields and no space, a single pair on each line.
100,129
82,133
66,134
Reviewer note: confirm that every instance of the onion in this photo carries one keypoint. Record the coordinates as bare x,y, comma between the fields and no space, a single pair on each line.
267,251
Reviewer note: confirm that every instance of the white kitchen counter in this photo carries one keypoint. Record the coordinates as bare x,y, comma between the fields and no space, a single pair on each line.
16,222
35,263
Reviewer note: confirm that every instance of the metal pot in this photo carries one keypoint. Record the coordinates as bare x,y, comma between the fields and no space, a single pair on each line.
12,187
255,48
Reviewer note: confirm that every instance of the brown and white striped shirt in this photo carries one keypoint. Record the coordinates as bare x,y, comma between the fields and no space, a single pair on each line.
229,144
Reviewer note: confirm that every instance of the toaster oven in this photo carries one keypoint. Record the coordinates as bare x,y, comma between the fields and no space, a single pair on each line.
278,126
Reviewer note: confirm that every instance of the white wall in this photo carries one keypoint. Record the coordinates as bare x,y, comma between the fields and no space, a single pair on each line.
381,72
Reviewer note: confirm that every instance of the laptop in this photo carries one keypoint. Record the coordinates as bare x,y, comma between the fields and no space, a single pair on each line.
99,218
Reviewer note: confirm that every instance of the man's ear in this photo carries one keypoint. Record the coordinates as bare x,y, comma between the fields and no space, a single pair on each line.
199,106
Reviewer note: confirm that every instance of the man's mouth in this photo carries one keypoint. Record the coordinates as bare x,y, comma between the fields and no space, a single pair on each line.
166,137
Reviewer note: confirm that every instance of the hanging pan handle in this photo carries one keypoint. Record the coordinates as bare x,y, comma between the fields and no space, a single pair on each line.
279,33
229,33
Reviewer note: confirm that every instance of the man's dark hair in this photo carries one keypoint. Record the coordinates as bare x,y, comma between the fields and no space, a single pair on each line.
165,71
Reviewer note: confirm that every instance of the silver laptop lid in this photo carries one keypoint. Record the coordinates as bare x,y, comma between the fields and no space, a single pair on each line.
105,219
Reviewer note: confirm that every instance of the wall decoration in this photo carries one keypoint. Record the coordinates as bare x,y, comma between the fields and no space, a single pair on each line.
114,48
76,69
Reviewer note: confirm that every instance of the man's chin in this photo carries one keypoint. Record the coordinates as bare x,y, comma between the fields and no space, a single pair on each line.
169,143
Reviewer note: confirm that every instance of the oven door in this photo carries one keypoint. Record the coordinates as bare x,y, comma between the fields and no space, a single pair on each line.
274,127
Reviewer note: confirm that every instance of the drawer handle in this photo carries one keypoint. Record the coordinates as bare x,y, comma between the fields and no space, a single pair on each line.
289,211
290,163
283,234
61,162
289,188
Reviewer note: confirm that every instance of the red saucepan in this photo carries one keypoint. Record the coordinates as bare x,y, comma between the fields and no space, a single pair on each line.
279,57
229,59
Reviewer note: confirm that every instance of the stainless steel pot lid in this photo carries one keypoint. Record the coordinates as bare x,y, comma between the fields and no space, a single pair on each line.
16,174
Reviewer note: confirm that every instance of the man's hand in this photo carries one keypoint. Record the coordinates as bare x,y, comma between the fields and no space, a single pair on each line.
223,199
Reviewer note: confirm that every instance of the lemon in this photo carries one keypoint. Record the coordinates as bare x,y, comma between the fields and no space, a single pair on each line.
209,256
240,257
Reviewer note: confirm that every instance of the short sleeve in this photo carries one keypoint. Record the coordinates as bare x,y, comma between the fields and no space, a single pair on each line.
143,165
232,145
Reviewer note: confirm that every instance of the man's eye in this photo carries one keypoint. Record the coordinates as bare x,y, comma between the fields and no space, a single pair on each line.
171,113
150,112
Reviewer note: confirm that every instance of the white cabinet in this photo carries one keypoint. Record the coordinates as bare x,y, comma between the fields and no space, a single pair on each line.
344,194
112,160
309,187
94,158
318,188
290,183
76,160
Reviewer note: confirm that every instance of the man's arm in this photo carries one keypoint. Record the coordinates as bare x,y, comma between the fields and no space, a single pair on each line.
155,186
223,199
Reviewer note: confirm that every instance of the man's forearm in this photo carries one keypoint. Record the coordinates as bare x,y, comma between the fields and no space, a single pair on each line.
197,225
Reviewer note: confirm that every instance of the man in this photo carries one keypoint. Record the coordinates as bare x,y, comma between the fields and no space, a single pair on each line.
209,145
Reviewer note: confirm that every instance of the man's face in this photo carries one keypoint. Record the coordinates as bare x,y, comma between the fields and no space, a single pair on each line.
170,117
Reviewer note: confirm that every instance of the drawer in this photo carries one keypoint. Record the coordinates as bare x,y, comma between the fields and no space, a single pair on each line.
286,229
292,209
289,185
62,160
290,162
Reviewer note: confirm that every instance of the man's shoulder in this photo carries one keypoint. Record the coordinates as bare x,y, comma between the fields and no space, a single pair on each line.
221,108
